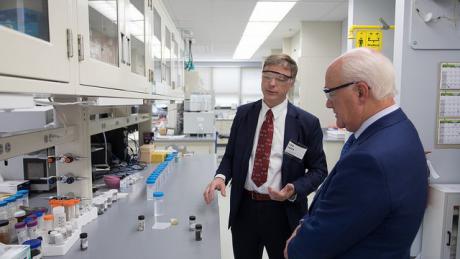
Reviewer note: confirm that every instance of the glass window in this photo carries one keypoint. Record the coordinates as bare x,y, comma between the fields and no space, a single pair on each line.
27,16
156,46
136,28
103,30
226,80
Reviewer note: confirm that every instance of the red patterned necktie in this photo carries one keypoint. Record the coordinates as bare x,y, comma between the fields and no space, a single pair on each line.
264,146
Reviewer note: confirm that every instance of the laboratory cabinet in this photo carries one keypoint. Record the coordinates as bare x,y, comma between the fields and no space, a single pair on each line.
441,222
112,44
34,35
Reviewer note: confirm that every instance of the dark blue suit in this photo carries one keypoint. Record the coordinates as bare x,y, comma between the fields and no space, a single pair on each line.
302,128
372,203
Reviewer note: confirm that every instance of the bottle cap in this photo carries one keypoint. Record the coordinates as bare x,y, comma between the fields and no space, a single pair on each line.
198,227
158,194
33,243
20,225
192,218
83,235
32,223
4,222
141,217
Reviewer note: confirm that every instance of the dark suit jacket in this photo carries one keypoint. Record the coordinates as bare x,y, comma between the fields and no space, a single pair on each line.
372,203
302,128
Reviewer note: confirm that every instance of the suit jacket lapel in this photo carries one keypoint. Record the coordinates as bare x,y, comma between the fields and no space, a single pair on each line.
251,122
291,132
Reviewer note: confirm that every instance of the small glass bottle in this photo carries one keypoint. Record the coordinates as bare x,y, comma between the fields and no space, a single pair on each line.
84,241
140,223
191,223
198,230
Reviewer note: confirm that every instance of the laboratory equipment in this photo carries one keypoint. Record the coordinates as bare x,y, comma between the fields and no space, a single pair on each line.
32,229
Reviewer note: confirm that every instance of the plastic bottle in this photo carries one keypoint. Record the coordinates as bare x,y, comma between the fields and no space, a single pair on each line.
3,210
150,188
21,232
32,229
158,205
4,231
59,216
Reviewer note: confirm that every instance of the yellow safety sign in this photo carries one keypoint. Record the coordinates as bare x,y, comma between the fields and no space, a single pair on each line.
369,38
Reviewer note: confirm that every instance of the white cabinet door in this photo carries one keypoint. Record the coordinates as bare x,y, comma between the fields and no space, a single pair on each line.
100,40
451,235
33,42
135,71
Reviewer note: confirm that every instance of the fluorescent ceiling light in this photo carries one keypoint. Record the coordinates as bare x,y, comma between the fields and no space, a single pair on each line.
264,19
270,11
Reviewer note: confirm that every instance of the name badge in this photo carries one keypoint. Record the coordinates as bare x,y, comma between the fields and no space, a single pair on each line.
295,150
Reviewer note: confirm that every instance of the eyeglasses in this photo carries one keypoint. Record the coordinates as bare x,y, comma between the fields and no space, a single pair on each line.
268,75
328,91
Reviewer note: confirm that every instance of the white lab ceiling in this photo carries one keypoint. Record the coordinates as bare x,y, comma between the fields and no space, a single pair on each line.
217,25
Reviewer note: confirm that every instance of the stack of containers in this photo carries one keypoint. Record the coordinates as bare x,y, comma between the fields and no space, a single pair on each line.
160,175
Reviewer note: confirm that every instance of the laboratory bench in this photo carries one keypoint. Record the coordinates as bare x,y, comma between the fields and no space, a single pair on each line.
114,234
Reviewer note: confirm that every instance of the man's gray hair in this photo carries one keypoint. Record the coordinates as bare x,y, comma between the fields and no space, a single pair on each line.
372,67
282,60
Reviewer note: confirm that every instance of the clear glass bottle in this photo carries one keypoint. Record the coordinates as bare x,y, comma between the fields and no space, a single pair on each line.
140,223
191,222
83,241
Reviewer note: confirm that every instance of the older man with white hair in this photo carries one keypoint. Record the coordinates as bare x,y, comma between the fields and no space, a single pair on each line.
372,203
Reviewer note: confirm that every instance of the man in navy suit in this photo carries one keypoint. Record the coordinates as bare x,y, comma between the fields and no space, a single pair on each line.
372,203
274,158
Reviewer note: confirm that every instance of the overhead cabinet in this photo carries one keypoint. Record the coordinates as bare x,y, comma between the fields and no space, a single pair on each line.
111,44
34,37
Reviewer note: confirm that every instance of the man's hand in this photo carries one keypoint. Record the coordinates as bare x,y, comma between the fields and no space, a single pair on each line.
289,240
283,194
216,184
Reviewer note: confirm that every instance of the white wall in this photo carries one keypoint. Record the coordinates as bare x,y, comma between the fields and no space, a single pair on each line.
418,81
321,43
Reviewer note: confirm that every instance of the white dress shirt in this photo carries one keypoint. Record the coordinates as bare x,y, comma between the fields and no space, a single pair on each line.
374,118
276,154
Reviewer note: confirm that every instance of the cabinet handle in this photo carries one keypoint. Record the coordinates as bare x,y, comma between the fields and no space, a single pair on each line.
122,48
81,49
448,240
69,43
128,41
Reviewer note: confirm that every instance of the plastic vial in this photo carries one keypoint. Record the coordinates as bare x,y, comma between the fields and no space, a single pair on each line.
150,188
84,241
191,222
140,223
3,210
198,230
32,229
158,205
21,232
4,231
40,220
59,216
48,222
